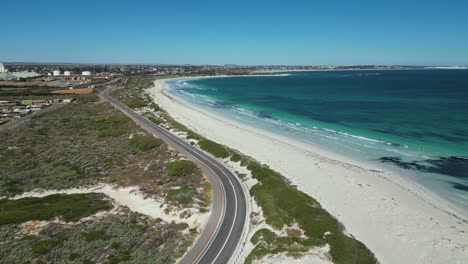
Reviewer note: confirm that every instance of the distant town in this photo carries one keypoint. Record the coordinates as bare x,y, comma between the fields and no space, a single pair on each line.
12,71
55,83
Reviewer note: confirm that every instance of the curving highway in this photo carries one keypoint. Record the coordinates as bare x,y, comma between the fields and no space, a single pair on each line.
221,236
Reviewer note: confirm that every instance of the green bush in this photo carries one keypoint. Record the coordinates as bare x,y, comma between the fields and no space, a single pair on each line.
214,148
110,132
145,142
156,120
115,119
93,235
136,103
73,256
345,249
181,168
183,196
73,167
10,187
154,106
71,207
116,245
44,246
236,157
267,235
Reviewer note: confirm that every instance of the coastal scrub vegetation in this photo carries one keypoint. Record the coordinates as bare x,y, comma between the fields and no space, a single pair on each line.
80,144
214,148
132,94
182,195
126,237
145,142
282,205
181,168
84,143
236,157
69,207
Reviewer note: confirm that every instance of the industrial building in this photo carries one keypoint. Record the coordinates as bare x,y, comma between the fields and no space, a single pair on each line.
66,73
86,73
56,73
6,75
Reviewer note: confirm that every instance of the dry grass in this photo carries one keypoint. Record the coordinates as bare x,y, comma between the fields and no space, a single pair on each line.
23,84
75,91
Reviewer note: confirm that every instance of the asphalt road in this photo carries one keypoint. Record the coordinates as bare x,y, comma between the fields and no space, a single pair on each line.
220,238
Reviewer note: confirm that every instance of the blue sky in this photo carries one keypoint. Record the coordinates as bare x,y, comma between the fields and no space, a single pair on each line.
239,32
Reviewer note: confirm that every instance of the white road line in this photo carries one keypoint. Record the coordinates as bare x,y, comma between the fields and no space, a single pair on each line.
195,153
175,138
233,222
198,155
197,260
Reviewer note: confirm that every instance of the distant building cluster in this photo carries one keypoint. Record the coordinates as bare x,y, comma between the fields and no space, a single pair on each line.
10,110
2,68
67,73
7,75
105,71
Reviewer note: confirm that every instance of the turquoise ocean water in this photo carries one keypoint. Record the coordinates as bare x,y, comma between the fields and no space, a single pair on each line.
413,121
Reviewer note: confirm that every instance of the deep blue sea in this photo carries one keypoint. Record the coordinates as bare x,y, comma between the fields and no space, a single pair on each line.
413,121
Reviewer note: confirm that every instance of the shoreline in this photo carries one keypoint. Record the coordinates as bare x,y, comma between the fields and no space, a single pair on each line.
401,223
379,69
409,178
409,181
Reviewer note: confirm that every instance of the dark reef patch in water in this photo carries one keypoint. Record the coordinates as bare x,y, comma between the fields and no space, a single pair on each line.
223,105
460,186
190,90
264,115
460,138
313,108
461,132
453,166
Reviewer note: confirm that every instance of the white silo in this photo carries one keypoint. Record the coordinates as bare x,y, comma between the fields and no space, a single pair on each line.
56,73
87,73
66,73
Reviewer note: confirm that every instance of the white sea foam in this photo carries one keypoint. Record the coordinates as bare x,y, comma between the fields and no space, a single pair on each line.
462,196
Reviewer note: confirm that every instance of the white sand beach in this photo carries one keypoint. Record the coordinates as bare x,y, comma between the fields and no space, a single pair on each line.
397,219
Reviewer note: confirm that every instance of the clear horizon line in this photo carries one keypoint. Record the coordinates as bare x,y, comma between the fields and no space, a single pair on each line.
225,64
